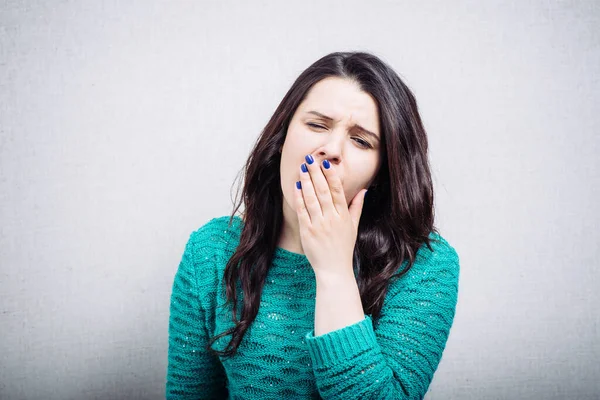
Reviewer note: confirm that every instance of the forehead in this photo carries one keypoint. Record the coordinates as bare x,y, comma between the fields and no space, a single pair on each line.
340,99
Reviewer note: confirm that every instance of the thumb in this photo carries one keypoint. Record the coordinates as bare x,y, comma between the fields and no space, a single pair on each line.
356,206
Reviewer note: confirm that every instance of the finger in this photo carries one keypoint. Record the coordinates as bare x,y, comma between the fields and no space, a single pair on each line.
308,191
320,185
356,207
301,211
336,189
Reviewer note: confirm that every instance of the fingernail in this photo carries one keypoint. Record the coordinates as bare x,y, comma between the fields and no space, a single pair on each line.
326,164
309,159
304,167
298,185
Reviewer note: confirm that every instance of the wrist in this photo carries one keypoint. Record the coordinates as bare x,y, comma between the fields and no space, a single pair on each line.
339,277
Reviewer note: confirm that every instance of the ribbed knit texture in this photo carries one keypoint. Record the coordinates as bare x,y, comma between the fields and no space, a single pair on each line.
279,357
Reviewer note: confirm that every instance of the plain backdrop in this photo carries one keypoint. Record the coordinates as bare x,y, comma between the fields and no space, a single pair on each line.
124,125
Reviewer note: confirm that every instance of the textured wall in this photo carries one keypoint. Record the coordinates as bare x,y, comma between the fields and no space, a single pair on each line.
123,125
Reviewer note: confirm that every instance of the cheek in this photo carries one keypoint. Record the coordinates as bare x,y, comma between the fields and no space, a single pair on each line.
299,139
288,178
360,176
292,156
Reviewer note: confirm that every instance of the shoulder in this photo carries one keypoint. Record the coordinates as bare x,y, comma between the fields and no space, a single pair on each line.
206,252
214,227
441,255
440,263
216,236
434,271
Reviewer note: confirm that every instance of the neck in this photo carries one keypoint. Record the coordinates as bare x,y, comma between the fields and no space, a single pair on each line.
289,239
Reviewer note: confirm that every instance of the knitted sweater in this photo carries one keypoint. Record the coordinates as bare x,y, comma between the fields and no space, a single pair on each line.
279,356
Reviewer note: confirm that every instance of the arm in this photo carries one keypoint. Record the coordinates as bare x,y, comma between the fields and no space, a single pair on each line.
192,372
397,358
337,303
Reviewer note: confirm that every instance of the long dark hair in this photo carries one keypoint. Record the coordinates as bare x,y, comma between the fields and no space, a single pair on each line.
398,212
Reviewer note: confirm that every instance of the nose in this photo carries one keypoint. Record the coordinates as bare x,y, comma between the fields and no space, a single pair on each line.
334,159
331,151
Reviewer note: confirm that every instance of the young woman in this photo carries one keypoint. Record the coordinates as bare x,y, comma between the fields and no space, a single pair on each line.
320,289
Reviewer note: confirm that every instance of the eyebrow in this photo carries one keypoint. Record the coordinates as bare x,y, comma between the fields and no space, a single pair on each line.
357,126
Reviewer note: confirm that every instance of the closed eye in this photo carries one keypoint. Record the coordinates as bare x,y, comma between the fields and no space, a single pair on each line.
315,125
361,142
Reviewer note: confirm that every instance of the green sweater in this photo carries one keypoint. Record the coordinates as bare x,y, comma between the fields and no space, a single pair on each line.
279,358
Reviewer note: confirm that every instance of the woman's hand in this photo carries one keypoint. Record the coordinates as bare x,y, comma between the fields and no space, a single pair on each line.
328,227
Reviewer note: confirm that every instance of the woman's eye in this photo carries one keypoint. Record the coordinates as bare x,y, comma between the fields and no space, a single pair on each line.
363,143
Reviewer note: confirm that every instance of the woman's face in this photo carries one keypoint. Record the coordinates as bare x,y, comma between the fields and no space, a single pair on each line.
330,124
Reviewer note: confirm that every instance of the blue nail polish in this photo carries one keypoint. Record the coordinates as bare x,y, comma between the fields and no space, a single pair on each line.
304,167
298,185
309,159
326,164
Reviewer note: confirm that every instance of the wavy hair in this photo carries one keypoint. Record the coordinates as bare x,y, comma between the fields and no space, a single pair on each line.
398,212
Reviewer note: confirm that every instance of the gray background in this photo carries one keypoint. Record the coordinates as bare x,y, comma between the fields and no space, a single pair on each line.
124,124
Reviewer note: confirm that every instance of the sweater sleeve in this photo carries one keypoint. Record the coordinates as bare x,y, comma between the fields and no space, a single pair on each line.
192,372
397,359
